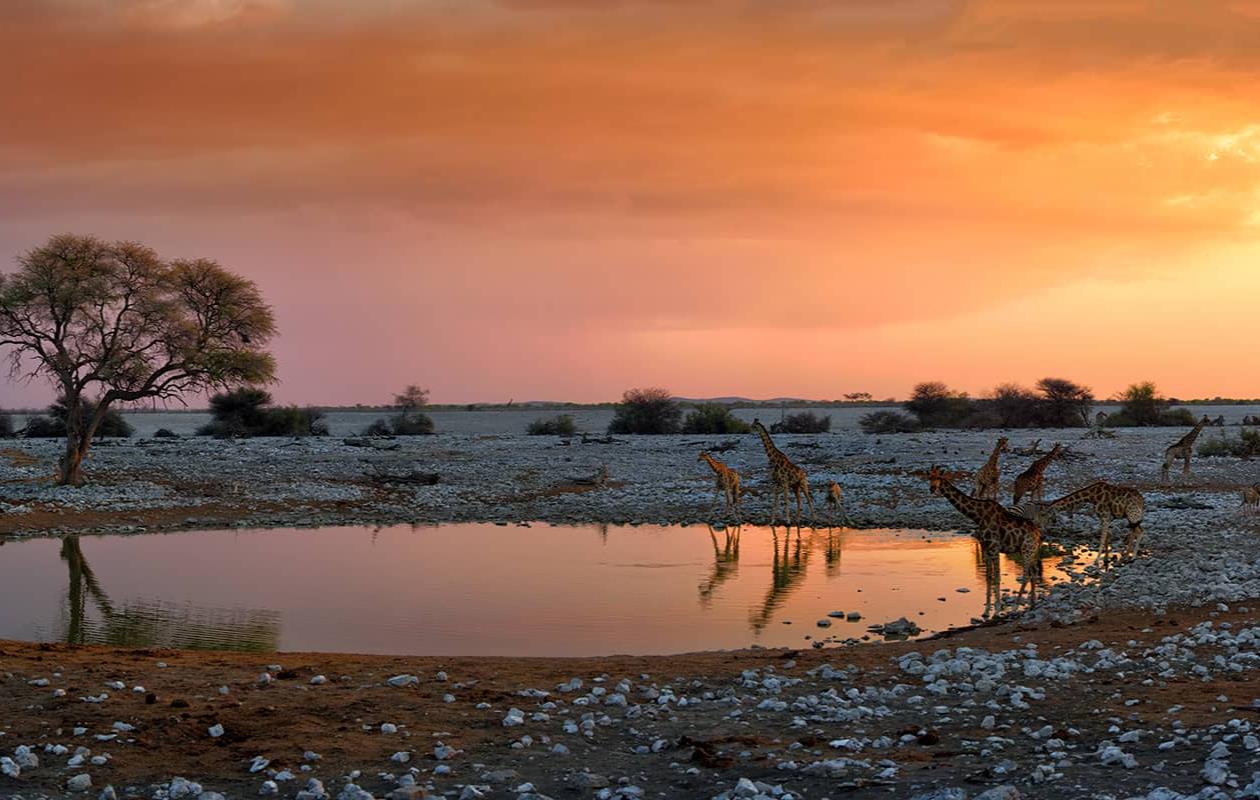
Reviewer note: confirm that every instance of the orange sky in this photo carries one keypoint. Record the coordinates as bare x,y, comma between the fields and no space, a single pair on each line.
560,198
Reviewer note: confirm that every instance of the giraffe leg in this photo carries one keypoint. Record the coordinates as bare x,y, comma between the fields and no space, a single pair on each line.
809,498
1104,542
1031,573
1185,467
1131,542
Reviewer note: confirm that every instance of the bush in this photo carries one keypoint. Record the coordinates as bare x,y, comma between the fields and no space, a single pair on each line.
411,423
165,433
1065,404
936,406
804,422
646,411
1141,405
561,425
1247,445
6,426
379,427
248,412
713,418
53,426
292,421
888,422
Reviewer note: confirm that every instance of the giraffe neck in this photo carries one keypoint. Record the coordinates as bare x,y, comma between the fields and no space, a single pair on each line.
773,452
713,463
1189,438
993,457
969,506
1039,466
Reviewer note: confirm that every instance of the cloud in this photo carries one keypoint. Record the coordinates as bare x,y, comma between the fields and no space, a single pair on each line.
641,168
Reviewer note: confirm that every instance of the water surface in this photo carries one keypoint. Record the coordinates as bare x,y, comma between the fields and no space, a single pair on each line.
482,589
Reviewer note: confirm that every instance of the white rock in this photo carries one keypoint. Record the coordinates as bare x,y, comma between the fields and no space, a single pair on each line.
399,681
80,783
215,731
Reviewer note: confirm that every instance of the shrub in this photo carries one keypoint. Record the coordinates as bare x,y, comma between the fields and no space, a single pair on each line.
411,423
561,425
6,426
1065,404
1247,445
292,421
1143,406
936,406
165,433
53,426
378,427
248,412
888,422
646,411
1013,406
713,418
804,422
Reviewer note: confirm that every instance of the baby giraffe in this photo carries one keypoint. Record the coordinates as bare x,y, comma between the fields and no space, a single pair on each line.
987,477
726,481
1251,499
1032,481
835,500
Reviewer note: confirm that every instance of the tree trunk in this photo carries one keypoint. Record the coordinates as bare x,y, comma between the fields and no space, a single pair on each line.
78,440
70,470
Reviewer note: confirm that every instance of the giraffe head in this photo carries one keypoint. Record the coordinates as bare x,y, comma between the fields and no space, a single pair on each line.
1002,445
935,479
704,456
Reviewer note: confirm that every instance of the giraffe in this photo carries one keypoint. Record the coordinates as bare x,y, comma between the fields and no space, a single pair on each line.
987,476
998,530
785,476
1250,499
835,500
1183,448
1032,480
1110,502
726,481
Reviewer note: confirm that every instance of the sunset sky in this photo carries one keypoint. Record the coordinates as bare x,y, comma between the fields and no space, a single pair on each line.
560,199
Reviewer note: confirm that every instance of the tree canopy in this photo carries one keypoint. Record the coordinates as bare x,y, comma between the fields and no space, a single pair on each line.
114,322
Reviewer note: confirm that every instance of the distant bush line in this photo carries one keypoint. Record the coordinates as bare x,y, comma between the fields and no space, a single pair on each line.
1052,403
52,425
248,412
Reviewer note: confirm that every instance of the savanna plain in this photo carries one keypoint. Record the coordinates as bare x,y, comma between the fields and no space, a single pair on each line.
1137,677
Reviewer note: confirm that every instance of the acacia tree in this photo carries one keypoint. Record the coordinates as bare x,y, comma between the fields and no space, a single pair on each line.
114,320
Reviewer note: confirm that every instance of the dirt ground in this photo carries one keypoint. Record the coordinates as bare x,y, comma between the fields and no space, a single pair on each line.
341,719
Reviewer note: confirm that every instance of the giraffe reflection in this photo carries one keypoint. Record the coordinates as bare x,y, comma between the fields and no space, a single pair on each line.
155,624
990,571
834,548
725,562
787,571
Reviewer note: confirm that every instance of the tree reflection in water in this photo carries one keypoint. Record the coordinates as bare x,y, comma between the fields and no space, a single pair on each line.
143,624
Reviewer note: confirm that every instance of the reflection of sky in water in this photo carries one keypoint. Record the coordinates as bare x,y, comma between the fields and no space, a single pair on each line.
477,589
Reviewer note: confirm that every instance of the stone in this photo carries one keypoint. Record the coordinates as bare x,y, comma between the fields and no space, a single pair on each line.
80,783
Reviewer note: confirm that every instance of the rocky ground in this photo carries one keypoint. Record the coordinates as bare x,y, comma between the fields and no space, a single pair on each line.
1141,683
1120,705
